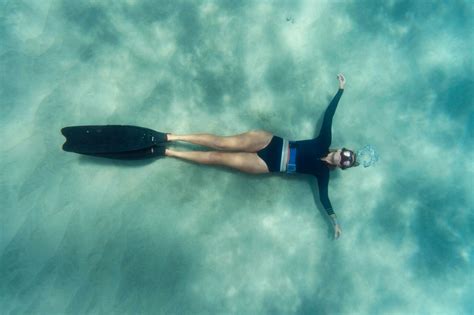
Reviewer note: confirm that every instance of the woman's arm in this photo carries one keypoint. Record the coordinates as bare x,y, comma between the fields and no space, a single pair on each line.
325,133
323,182
337,227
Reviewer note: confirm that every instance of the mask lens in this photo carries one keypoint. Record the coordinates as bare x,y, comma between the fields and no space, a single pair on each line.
346,158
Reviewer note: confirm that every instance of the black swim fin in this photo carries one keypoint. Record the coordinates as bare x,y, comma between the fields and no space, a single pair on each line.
147,153
114,141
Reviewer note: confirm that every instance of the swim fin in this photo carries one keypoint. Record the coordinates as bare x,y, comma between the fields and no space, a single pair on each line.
150,152
114,141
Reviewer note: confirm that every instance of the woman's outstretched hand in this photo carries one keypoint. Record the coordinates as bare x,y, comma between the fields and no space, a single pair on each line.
337,231
342,80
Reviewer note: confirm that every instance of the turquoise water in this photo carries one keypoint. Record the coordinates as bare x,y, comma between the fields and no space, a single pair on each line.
84,235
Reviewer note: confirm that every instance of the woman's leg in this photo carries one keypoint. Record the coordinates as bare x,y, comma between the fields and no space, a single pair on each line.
245,162
251,141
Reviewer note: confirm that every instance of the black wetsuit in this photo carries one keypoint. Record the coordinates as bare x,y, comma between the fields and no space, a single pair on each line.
310,152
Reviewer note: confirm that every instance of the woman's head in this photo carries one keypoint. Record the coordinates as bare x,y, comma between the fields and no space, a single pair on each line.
347,158
344,158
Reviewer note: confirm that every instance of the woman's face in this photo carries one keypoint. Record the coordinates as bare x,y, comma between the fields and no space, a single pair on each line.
343,158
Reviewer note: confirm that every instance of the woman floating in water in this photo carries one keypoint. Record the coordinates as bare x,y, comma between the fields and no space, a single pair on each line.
254,152
261,152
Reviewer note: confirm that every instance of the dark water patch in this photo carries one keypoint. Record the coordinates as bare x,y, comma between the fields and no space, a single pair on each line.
281,75
91,20
437,235
235,7
190,34
434,224
143,267
15,75
8,12
419,19
389,222
162,268
327,297
375,16
162,95
148,12
456,98
216,85
468,137
438,254
387,302
62,271
213,87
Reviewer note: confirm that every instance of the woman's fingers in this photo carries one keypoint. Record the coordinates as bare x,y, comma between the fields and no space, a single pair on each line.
337,232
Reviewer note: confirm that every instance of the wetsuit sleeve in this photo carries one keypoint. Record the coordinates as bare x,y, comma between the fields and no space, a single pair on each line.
323,182
325,133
